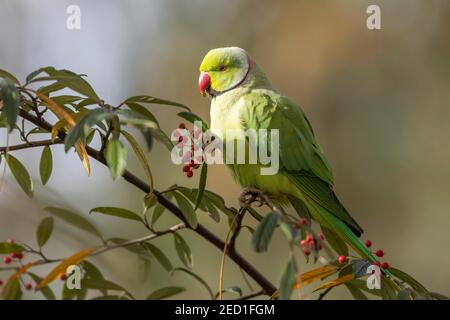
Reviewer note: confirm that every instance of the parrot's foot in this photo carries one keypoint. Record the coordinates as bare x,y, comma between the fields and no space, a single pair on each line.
250,195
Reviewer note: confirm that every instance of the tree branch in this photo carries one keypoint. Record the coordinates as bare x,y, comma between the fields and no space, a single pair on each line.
30,144
265,284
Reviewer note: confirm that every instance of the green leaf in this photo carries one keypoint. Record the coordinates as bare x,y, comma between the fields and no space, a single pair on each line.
8,76
404,294
66,99
183,250
74,219
335,242
165,292
46,291
101,284
46,165
44,231
116,158
46,90
191,117
235,290
255,214
218,202
202,185
159,210
81,129
160,256
438,296
21,174
187,210
140,155
118,212
12,290
11,102
287,281
91,270
264,231
416,285
111,297
196,277
300,208
7,248
37,72
153,100
355,291
70,80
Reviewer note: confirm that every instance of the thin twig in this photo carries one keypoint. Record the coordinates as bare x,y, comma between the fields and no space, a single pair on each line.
324,293
106,247
30,144
224,253
237,227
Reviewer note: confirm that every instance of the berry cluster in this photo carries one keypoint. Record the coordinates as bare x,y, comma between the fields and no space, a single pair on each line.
379,253
309,243
15,256
195,142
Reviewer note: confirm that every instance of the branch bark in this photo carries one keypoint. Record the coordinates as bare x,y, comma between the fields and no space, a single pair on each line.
265,284
33,144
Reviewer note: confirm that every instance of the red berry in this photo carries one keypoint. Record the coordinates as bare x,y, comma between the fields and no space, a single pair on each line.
377,263
189,174
186,168
379,253
1,283
342,259
321,236
319,246
303,242
63,277
307,252
17,255
302,222
385,265
28,286
368,243
309,238
10,241
182,126
7,260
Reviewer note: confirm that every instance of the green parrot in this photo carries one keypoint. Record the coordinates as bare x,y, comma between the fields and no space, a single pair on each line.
243,98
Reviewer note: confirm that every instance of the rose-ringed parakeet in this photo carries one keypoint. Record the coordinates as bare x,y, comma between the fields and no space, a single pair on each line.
243,98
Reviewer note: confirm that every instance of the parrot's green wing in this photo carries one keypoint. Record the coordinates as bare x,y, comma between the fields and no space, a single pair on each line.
301,158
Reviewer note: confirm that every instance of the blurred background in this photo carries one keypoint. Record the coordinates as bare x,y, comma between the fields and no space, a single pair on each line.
377,99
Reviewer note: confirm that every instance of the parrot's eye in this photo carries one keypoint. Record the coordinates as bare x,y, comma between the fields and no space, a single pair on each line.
221,68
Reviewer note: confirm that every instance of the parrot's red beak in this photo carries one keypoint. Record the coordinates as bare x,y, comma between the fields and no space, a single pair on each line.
204,82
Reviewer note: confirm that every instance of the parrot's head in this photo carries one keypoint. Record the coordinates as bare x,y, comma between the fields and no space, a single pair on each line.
223,69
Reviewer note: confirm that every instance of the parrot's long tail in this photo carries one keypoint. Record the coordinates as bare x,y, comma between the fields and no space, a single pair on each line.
331,222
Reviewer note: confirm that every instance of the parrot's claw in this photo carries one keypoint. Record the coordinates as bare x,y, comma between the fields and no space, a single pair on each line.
250,195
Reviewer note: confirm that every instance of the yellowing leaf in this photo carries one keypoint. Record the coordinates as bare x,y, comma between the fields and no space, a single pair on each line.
315,274
60,112
62,267
56,127
70,122
337,282
82,153
21,270
141,156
